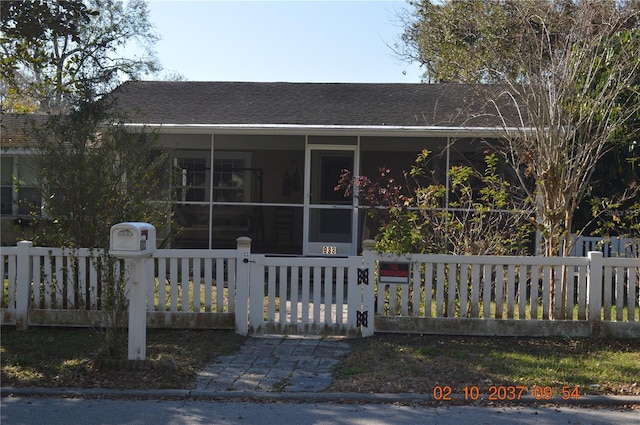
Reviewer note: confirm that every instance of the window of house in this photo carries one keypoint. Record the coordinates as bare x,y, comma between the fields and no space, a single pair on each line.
230,176
230,179
19,193
192,179
6,186
28,197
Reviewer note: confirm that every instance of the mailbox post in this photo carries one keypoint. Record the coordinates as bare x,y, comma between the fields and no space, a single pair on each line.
135,243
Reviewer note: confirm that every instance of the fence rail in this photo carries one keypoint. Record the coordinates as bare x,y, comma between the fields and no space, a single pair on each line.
509,288
615,247
454,291
621,289
255,294
193,281
304,295
63,287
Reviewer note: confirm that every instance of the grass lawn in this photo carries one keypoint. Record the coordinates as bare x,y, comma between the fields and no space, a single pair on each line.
63,357
417,364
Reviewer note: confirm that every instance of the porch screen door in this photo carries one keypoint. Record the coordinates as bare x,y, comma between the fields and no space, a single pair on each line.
330,215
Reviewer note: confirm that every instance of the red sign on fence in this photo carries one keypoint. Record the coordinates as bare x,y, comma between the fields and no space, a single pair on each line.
393,272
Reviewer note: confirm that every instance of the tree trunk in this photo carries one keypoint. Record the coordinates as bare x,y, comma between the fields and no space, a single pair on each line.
551,250
566,251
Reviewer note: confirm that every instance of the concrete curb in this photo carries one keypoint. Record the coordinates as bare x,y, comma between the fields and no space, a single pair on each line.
456,399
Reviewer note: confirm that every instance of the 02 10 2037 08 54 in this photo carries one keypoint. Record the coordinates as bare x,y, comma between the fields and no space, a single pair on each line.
504,393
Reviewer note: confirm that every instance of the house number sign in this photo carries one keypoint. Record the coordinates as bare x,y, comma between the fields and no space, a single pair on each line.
329,250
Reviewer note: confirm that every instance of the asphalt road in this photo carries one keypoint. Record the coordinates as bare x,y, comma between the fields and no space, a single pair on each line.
69,411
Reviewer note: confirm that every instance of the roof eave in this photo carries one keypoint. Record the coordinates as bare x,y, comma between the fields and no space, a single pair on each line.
343,130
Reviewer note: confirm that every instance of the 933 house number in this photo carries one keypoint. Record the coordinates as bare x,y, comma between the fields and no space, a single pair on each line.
329,250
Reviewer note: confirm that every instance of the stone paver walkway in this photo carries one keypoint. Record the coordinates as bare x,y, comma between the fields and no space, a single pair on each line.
276,363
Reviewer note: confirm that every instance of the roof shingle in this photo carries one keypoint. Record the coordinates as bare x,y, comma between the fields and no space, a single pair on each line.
350,104
18,130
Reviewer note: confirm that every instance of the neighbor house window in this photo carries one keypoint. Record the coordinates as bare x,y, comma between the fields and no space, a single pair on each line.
28,197
6,186
19,193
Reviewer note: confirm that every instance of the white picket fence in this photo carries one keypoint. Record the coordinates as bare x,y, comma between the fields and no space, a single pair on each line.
305,295
615,247
189,285
62,287
257,294
511,295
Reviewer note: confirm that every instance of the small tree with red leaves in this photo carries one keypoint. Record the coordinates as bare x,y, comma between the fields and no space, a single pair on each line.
476,215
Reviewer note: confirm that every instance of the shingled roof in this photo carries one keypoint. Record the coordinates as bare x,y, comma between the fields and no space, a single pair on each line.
17,130
305,104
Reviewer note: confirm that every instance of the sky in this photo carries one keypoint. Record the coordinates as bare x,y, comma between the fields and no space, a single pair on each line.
283,41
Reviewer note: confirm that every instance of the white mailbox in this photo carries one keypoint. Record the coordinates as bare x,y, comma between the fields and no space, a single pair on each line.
130,240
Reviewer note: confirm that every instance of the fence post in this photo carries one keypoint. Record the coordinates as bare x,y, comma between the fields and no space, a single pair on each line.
137,343
243,247
594,285
368,291
256,295
23,284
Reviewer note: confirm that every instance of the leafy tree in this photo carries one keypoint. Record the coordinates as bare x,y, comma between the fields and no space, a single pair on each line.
571,70
610,213
485,41
60,58
483,216
573,114
462,40
56,52
93,176
613,195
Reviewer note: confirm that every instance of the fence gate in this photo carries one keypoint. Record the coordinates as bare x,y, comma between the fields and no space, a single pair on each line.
310,296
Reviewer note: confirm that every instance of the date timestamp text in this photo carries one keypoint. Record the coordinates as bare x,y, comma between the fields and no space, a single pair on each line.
505,393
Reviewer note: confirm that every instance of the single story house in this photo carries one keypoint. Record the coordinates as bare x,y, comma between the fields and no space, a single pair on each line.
262,159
